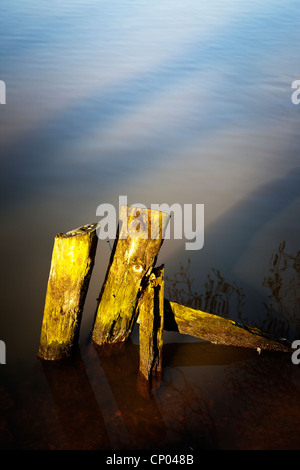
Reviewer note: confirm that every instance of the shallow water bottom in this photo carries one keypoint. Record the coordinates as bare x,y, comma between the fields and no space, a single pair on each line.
209,397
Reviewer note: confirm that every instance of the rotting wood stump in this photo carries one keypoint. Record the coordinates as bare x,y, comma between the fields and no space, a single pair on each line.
71,268
151,320
219,330
133,257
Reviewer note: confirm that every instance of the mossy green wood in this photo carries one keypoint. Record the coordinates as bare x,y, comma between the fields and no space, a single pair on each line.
71,268
133,257
151,319
219,330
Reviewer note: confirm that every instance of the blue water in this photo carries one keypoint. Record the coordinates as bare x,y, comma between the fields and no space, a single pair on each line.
165,102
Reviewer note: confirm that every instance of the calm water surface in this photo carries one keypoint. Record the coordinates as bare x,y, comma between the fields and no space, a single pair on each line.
164,102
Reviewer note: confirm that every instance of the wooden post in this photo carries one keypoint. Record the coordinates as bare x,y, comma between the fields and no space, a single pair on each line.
133,256
151,319
71,268
219,330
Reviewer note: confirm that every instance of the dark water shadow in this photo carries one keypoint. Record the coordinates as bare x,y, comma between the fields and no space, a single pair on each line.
218,296
76,406
140,413
264,402
283,286
227,239
203,354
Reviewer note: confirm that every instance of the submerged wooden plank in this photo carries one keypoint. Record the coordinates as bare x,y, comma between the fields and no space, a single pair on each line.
133,257
219,330
151,319
71,268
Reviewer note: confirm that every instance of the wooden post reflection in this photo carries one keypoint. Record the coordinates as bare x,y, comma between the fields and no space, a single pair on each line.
76,405
140,414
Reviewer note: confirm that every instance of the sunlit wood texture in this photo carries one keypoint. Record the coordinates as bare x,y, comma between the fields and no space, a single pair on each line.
151,319
133,257
71,268
219,330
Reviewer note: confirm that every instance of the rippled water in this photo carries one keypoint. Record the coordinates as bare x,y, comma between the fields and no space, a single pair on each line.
163,102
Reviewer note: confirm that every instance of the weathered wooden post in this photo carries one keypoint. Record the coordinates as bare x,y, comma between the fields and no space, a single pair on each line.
219,330
133,256
71,268
151,319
